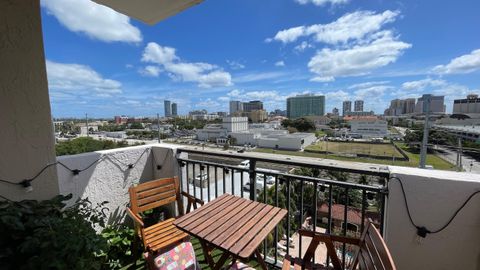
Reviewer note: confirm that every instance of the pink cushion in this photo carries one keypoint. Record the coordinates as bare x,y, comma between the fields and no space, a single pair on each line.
241,266
180,257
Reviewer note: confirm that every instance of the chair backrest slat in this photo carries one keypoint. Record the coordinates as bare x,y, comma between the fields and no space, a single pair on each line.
153,191
372,252
153,194
367,260
381,248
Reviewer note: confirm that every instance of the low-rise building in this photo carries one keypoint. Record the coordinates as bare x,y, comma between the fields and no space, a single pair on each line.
369,128
266,135
294,141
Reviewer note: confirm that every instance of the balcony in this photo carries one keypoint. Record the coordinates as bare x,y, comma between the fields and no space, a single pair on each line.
338,193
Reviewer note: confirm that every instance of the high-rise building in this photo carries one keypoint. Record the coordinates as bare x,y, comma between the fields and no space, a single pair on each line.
335,111
437,104
305,105
347,107
471,104
254,105
358,106
401,106
174,109
235,106
409,105
168,108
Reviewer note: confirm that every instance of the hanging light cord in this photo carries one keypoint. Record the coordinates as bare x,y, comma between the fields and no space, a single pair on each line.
422,231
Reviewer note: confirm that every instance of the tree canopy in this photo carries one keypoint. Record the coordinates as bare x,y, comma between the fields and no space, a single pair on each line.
86,144
300,124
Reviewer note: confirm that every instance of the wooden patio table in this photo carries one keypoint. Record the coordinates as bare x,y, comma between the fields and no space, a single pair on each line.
233,225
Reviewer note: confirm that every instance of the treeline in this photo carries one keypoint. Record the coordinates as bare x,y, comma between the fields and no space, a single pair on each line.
87,144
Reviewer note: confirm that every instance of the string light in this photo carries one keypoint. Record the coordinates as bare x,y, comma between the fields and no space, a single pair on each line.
27,183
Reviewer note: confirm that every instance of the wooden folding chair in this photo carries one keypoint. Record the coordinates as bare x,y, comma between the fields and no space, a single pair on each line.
153,194
372,252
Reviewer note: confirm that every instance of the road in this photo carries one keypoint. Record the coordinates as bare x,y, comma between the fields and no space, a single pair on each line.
469,164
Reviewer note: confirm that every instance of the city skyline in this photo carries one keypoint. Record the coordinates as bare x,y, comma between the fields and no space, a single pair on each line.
126,67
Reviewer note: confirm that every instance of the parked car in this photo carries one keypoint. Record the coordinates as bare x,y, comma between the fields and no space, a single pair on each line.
270,179
244,164
201,180
258,184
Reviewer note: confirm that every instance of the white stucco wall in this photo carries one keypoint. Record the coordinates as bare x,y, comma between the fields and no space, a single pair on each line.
26,133
433,197
110,178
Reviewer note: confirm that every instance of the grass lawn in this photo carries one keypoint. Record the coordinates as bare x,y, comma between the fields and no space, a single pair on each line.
356,148
433,160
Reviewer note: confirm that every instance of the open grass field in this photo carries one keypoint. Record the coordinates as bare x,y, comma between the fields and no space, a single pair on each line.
356,148
433,160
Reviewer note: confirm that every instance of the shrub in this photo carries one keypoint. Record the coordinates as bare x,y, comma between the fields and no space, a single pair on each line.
46,235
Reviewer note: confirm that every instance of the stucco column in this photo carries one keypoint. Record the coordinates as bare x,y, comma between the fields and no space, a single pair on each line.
26,131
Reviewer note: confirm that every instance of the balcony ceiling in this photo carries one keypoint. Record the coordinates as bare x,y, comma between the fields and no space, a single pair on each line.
149,11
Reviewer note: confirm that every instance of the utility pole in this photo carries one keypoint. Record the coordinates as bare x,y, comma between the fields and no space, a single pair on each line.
426,109
86,122
158,126
459,155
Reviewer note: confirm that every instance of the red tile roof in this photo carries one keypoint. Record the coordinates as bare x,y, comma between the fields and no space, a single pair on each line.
354,215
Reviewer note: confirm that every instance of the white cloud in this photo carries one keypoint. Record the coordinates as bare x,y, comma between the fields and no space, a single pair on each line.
463,64
235,65
259,76
423,84
208,103
302,47
78,79
322,2
372,92
289,35
150,71
94,20
206,75
357,60
280,64
367,84
351,26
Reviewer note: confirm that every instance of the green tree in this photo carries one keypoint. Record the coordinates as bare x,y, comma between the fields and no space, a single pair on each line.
301,124
86,144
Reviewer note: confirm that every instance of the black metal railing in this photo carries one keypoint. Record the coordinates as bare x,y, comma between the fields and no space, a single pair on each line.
359,193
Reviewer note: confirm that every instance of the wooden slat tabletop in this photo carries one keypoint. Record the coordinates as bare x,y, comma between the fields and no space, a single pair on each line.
233,224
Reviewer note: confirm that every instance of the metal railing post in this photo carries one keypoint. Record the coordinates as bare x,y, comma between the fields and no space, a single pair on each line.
253,179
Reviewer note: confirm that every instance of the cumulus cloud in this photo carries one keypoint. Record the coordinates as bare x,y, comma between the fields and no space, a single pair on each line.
94,20
206,75
357,60
79,79
302,47
280,64
423,84
322,2
351,26
355,44
208,103
150,71
463,64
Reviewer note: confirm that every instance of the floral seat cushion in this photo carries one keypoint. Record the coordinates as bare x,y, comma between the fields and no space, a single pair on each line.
181,257
241,266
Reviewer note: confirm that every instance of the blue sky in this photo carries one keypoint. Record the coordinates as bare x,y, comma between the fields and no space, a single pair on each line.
103,63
